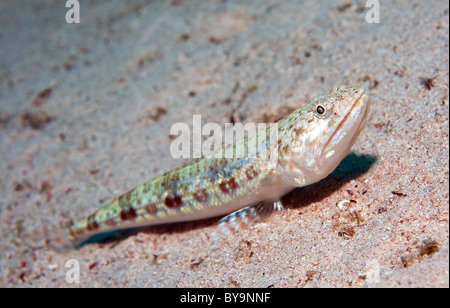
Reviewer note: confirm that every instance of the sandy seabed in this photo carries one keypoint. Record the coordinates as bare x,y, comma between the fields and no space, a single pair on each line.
85,113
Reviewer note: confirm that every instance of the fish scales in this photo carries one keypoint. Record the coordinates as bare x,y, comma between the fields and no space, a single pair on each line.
309,144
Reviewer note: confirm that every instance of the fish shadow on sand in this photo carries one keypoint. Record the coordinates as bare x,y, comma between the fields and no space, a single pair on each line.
351,167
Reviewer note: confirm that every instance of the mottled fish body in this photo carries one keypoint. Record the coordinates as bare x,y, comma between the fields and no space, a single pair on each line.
310,143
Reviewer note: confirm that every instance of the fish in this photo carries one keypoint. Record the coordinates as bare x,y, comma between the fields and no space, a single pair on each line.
298,150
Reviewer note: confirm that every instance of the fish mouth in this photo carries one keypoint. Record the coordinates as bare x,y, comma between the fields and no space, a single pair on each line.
345,134
365,106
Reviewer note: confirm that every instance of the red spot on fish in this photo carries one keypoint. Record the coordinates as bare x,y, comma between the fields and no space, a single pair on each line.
173,202
92,225
128,214
123,215
151,208
228,186
251,174
201,196
132,213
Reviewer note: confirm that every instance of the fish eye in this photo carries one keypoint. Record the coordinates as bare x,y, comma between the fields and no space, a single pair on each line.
320,110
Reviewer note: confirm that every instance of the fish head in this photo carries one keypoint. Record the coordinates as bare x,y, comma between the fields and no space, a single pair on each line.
316,138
